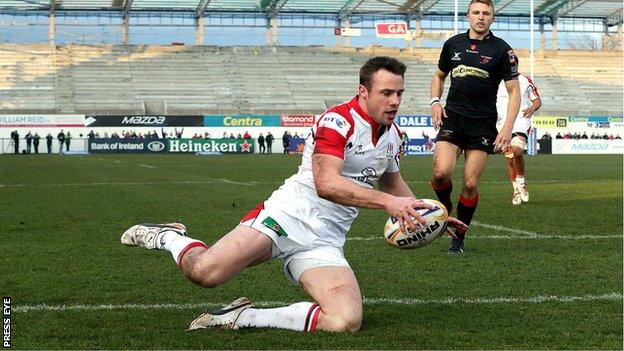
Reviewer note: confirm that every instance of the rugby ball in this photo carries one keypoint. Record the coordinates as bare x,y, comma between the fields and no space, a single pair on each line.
436,218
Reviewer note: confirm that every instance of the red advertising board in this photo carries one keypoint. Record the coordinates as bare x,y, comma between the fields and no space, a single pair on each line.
297,120
391,30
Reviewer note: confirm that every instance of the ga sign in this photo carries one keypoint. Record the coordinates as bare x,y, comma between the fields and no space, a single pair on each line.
391,30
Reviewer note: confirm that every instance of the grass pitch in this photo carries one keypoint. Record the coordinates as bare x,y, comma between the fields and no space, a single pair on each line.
543,275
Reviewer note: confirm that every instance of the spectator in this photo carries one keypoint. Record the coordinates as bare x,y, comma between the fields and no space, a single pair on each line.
179,134
584,136
261,143
68,139
29,140
49,138
225,136
286,142
558,136
269,142
36,142
91,135
15,138
61,139
246,136
206,135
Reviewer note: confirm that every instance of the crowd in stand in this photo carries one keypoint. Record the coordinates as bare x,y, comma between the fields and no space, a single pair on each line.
578,136
264,142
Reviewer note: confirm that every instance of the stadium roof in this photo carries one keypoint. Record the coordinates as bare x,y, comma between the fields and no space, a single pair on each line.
609,10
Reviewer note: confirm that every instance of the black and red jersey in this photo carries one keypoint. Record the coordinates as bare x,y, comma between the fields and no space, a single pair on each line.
476,68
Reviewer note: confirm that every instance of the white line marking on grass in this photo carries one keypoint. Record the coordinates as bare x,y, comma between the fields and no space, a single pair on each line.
519,234
182,182
533,235
147,166
511,237
254,183
545,181
504,229
227,181
613,296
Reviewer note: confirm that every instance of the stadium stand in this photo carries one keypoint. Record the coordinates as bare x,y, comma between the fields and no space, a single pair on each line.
114,79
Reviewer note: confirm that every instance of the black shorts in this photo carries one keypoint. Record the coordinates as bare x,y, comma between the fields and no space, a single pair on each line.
468,133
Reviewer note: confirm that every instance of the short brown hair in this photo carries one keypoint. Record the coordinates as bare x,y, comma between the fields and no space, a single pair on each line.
375,64
487,2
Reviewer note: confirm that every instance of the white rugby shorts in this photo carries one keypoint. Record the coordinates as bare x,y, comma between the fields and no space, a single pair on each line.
521,125
294,242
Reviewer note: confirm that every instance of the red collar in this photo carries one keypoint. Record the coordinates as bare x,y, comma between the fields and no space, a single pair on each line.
375,133
356,106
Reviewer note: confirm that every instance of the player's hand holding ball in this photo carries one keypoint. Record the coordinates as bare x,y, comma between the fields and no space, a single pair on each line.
430,222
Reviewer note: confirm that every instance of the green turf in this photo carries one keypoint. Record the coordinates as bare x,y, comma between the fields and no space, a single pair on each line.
62,217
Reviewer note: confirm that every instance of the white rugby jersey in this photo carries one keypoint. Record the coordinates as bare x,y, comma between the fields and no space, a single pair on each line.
528,93
344,131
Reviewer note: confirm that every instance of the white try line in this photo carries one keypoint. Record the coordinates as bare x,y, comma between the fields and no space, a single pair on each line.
516,234
146,166
525,234
613,296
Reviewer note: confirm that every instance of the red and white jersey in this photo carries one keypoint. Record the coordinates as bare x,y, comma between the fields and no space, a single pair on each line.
528,93
344,131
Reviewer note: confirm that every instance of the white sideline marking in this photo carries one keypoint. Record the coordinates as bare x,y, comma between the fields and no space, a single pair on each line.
147,166
613,296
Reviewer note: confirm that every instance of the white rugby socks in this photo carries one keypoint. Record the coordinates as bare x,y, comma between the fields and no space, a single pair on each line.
177,244
520,180
301,316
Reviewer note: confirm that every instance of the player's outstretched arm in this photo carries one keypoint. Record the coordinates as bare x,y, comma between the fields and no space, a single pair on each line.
332,186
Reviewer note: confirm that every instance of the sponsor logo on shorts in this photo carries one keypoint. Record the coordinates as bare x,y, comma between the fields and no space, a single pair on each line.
274,226
445,133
